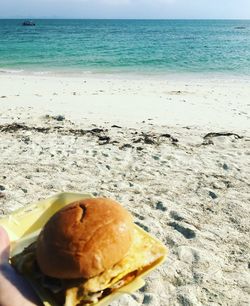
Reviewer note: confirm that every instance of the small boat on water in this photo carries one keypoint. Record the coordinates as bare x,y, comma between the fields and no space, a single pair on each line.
28,23
240,28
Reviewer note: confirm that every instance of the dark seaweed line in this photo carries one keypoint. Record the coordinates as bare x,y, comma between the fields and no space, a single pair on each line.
15,127
100,133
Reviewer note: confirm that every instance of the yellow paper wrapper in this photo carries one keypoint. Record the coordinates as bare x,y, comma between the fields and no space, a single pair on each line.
24,225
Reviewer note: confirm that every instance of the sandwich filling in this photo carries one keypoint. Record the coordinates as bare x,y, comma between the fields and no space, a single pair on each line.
144,253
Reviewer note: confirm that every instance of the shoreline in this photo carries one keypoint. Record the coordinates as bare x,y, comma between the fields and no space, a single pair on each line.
157,75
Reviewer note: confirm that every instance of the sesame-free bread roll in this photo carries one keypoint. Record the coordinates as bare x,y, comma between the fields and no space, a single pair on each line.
84,238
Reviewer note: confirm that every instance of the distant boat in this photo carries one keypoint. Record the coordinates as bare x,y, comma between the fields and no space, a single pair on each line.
28,23
240,28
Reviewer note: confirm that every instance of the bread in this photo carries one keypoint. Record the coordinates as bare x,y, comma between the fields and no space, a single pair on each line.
84,239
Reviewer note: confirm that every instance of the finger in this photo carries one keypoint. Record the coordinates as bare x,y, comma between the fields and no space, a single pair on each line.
4,246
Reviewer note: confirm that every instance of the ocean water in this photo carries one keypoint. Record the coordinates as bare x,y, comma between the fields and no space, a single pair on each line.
126,46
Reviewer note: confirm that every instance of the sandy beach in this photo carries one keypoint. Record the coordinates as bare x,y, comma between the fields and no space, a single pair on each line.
174,151
221,103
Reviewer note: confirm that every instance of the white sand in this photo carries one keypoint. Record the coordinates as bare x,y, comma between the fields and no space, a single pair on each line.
192,194
220,103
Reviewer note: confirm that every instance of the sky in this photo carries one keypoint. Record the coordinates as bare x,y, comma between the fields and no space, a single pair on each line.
138,9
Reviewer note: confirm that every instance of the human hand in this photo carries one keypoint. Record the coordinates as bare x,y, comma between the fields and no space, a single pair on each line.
14,290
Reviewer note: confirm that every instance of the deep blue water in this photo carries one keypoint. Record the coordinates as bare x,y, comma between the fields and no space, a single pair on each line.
140,46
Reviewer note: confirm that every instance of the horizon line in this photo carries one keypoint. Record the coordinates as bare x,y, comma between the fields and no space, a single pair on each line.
83,18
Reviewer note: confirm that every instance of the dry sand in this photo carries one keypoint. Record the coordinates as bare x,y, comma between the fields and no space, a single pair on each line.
174,152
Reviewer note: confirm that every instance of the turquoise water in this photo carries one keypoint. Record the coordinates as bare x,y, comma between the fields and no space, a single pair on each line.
140,46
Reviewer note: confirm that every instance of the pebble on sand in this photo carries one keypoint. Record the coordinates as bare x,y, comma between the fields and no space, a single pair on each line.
213,195
160,206
59,118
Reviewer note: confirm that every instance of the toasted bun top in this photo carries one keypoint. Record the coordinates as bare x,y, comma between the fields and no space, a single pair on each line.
84,238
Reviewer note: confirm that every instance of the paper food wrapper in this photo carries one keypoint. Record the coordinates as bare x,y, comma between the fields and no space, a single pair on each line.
24,225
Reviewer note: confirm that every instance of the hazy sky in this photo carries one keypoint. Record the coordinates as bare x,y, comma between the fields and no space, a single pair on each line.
236,9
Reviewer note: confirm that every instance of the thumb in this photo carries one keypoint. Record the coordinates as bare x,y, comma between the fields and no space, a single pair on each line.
4,246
